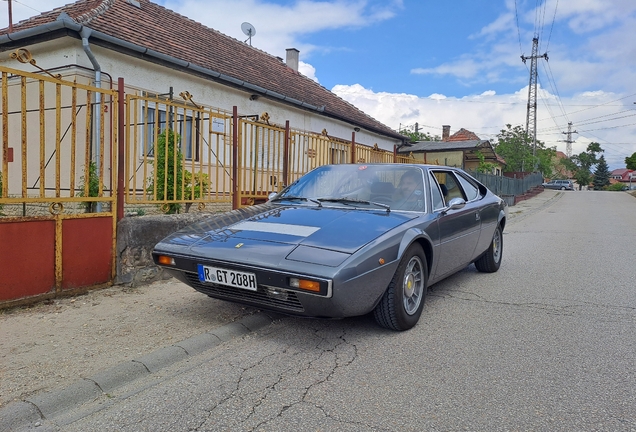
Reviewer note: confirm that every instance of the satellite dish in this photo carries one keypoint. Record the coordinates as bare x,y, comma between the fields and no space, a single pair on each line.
249,31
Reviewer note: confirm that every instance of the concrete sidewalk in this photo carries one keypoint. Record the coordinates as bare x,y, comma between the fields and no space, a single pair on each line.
58,355
33,410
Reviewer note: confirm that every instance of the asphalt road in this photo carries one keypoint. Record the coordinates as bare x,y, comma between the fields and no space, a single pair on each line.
547,343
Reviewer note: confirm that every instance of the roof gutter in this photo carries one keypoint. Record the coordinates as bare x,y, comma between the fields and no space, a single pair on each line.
85,33
65,21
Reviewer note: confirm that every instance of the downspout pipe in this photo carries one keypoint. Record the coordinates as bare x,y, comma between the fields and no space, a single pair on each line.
85,33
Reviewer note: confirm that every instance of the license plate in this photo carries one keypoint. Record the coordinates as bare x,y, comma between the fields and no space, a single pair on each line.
233,278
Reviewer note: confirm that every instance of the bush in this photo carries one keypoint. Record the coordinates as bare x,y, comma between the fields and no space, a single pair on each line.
615,187
93,187
199,183
169,172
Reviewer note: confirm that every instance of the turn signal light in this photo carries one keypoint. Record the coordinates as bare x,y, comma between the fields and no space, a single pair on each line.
165,260
305,284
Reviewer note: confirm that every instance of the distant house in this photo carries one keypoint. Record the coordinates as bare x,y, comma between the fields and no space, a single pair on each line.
461,149
159,52
623,175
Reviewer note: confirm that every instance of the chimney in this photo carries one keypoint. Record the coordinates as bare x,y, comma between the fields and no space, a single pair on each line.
292,58
445,132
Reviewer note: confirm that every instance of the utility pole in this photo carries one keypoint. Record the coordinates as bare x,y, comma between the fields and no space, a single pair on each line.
568,141
10,17
531,116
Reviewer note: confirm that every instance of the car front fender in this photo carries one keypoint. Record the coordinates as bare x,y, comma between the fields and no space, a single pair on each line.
417,235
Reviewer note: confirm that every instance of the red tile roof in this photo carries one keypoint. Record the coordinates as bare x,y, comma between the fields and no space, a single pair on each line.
154,27
463,135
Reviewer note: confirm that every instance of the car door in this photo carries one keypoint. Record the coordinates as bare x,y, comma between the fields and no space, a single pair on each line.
458,229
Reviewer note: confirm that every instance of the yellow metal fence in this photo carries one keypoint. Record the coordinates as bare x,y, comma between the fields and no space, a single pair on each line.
57,156
177,153
50,148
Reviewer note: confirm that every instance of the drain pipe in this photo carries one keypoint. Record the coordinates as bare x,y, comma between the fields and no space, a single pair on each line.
85,33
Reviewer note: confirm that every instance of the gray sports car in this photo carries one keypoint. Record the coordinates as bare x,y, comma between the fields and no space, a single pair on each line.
345,240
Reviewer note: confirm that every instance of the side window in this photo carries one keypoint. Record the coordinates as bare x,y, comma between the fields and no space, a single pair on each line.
471,191
449,185
436,194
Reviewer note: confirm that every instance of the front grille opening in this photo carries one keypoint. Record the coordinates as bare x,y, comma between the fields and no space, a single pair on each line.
265,296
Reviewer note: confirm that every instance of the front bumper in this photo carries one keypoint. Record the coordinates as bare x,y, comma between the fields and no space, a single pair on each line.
354,297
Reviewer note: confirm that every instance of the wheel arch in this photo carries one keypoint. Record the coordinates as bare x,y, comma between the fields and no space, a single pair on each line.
502,221
420,237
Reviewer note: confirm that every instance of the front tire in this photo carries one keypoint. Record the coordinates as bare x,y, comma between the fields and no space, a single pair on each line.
491,260
402,303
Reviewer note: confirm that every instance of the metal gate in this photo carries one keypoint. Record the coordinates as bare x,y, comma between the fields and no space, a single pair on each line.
57,195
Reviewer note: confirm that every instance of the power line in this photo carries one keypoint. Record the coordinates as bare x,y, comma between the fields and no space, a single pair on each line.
518,29
594,120
26,5
603,104
552,25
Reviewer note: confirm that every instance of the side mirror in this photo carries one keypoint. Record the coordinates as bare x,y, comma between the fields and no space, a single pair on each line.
272,195
455,204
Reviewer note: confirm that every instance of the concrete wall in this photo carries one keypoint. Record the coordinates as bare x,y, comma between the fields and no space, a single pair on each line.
137,236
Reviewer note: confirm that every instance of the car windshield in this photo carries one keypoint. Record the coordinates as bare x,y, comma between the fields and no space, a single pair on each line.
391,186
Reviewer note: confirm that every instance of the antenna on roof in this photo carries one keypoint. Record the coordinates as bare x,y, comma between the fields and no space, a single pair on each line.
249,31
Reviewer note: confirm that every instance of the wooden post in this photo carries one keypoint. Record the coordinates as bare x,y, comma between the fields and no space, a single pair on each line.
235,163
121,179
353,147
286,155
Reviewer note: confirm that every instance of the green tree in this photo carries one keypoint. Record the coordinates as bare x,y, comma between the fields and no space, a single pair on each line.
601,174
169,171
581,164
418,136
582,176
484,167
630,162
516,147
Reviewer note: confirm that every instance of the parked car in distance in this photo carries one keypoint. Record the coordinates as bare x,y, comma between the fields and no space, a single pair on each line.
344,240
559,185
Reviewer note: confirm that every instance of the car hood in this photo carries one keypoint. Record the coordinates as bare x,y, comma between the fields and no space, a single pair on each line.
272,234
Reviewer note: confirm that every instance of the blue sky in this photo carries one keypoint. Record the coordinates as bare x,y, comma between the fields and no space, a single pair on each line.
451,62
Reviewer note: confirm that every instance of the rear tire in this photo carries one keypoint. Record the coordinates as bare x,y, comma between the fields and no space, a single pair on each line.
490,261
402,303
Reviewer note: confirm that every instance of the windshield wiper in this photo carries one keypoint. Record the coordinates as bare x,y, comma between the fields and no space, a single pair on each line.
356,201
296,198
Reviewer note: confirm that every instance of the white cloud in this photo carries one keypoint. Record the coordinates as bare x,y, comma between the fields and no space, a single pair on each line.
280,27
308,70
584,16
487,113
593,52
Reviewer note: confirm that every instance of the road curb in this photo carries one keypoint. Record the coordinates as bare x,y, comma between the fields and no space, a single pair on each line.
534,208
48,405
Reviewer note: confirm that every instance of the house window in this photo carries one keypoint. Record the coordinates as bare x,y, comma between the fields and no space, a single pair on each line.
155,121
339,156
